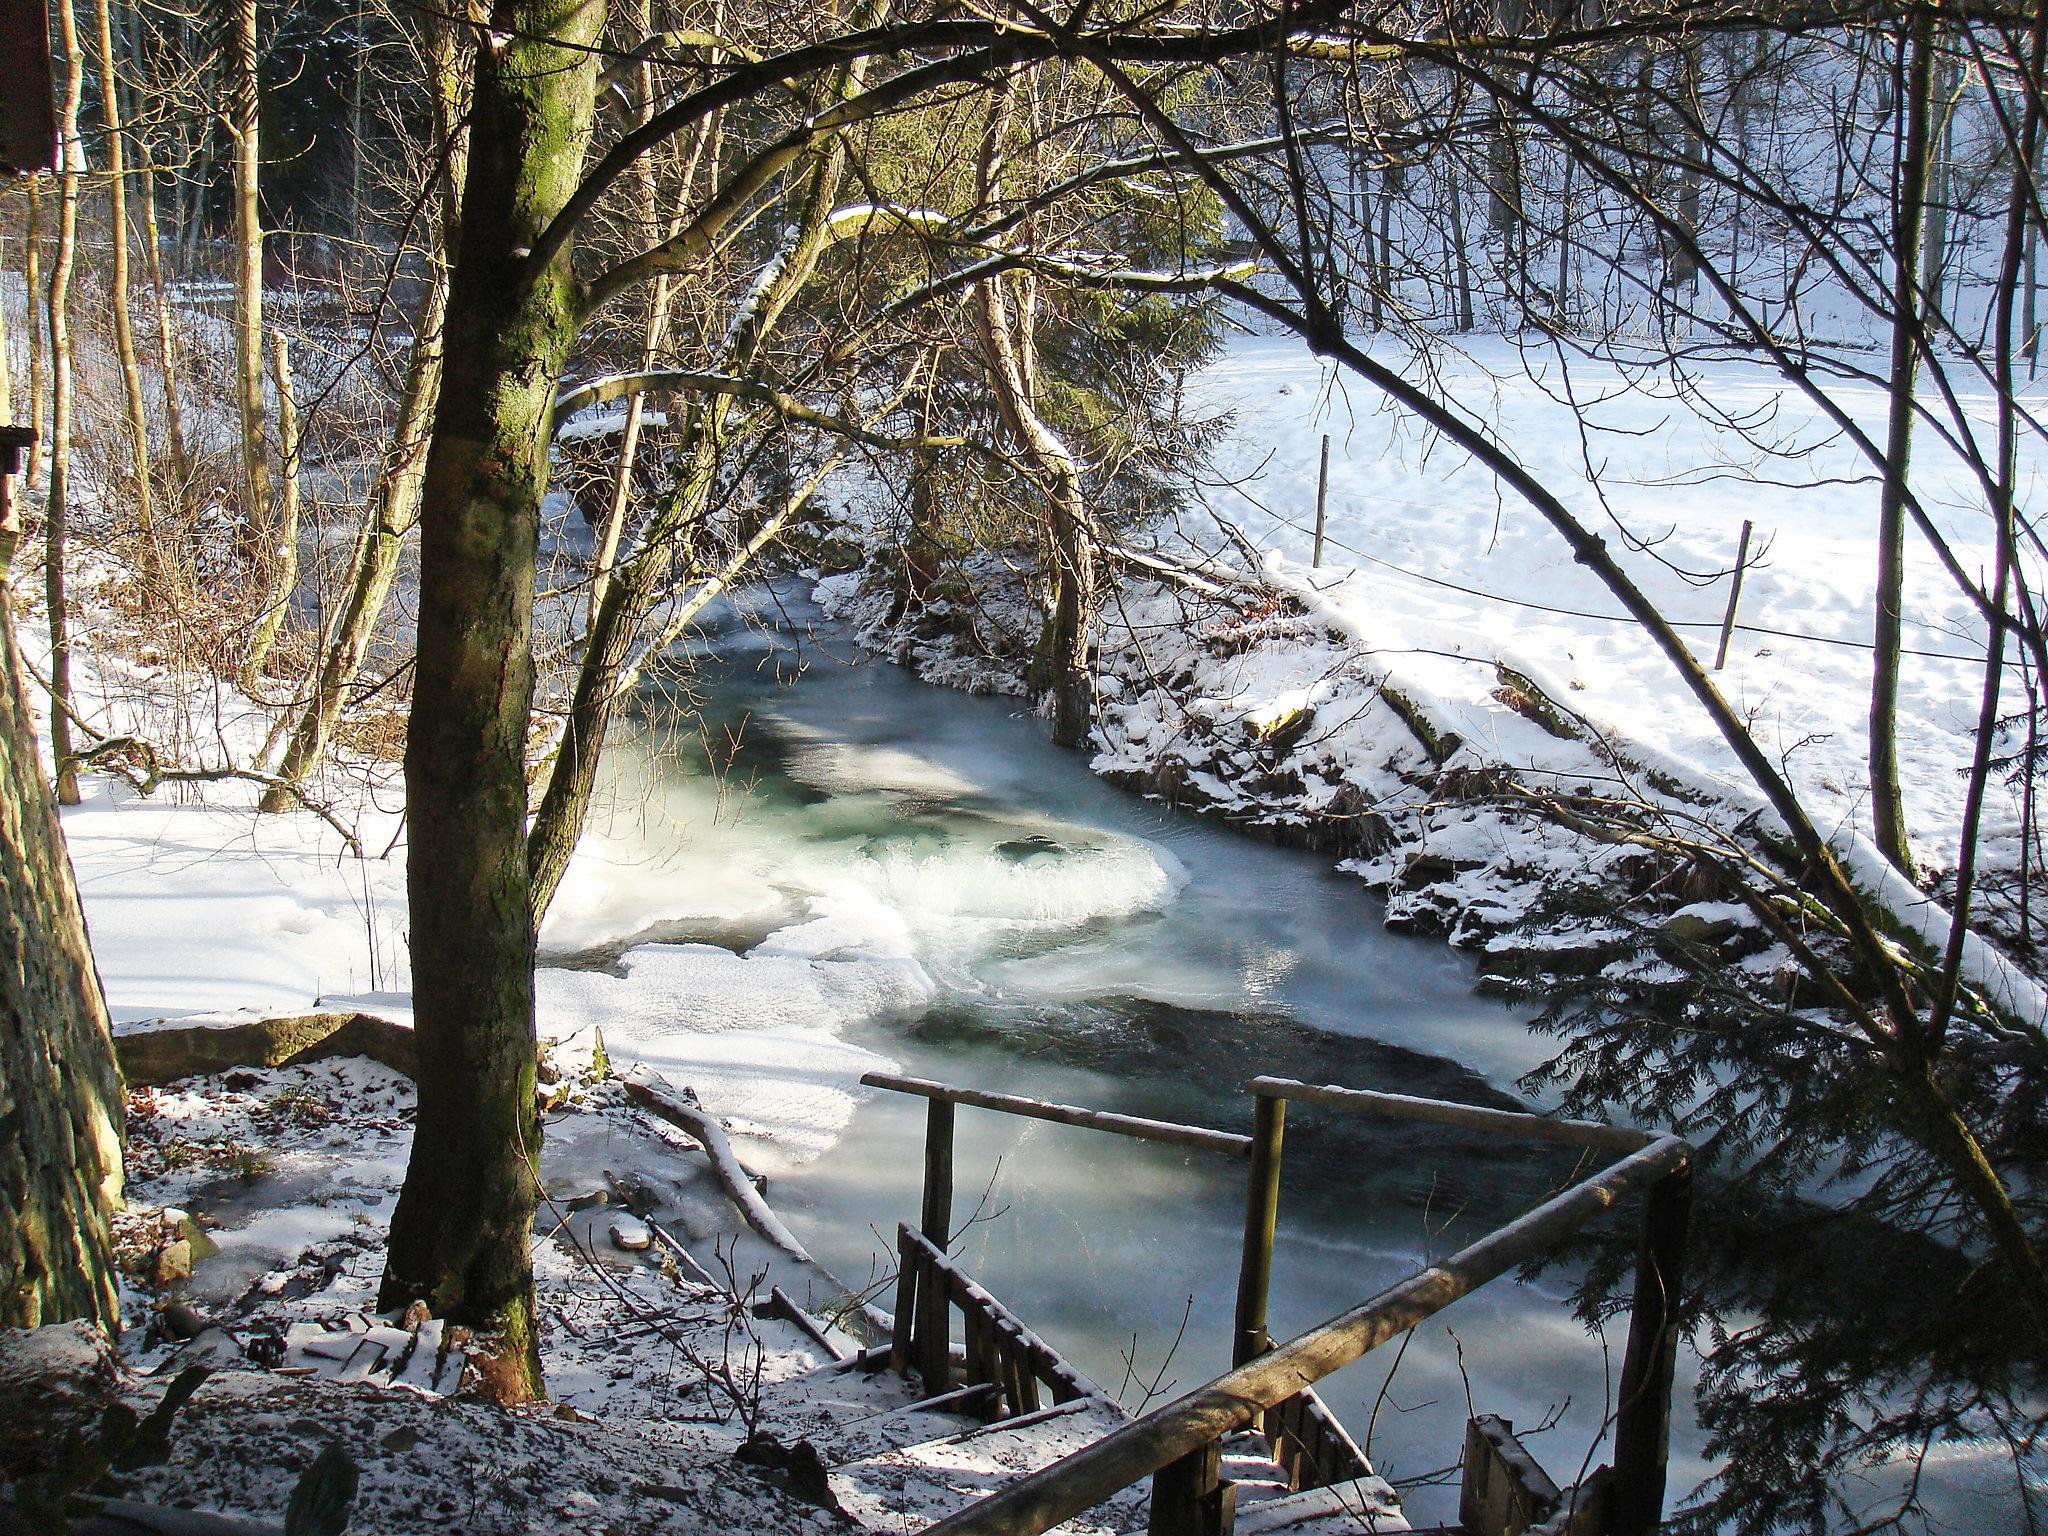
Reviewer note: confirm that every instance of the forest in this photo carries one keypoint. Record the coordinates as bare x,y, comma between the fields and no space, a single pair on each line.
609,610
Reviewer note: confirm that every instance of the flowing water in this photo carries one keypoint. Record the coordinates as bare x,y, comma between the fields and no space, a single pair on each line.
896,871
1092,947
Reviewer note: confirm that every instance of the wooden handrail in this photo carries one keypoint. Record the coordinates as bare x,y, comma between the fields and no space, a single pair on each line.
1235,1399
1472,1117
1067,1114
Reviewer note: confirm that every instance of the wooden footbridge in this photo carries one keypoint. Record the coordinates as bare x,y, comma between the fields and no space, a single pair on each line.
1255,1449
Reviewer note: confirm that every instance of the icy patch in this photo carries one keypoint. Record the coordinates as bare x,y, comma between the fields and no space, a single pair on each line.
754,1035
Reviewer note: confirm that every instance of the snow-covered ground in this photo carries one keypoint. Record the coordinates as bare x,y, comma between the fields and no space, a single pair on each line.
1439,575
1430,582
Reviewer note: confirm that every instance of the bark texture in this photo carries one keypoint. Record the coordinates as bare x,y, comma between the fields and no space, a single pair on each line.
1887,801
460,1234
60,1093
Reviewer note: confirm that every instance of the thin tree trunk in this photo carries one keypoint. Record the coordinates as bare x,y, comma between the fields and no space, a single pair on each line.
57,513
281,563
461,1232
393,513
1461,259
253,535
166,347
394,503
1063,659
1886,797
117,283
38,383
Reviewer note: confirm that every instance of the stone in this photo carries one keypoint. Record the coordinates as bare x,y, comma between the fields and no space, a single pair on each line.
172,1263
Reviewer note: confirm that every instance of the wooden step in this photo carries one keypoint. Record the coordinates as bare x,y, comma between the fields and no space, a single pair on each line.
912,1486
1364,1504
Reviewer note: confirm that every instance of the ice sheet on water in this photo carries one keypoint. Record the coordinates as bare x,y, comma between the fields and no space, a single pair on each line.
754,1035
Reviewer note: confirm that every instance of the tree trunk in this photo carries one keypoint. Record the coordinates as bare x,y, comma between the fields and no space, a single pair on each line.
253,535
166,349
32,275
393,513
1886,800
394,502
1062,663
57,512
117,285
280,568
461,1232
60,1091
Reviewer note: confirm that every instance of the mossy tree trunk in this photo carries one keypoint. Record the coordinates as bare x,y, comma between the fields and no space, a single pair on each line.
244,127
60,1091
57,509
460,1234
1887,797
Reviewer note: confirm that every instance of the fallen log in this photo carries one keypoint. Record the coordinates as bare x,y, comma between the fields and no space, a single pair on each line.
654,1093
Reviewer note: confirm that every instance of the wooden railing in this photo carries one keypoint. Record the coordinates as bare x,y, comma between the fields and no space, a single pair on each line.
1269,1387
1002,1354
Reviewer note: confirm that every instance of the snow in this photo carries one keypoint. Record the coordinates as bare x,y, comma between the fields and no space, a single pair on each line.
1429,567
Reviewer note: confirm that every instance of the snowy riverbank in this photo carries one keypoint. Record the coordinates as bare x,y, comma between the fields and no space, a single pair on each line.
1448,667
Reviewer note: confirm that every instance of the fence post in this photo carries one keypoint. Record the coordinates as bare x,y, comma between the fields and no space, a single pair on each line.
1642,1430
1261,1212
936,1221
1322,499
1734,597
1190,1497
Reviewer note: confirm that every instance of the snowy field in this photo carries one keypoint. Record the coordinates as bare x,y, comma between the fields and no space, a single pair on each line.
1437,573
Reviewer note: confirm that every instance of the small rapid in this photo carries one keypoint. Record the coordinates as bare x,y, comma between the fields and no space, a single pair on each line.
825,866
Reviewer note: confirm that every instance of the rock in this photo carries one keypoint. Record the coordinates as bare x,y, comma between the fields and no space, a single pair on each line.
809,1479
400,1440
213,1347
172,1263
1704,925
321,1501
181,1320
631,1236
201,1246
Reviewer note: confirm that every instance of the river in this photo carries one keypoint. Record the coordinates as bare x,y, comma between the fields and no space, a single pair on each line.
1086,945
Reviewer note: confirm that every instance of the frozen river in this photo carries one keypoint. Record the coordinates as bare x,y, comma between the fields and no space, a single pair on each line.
987,912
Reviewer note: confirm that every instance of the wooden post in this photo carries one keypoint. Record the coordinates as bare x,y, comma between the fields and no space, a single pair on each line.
1734,597
1642,1431
903,1339
1261,1212
1322,499
937,1220
1190,1498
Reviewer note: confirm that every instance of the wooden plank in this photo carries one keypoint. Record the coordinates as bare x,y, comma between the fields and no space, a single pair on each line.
1336,1456
902,1336
1190,1498
1067,1114
934,1333
1642,1424
1044,1498
981,1360
1502,1492
1261,1215
783,1307
1471,1117
936,1219
1037,1358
